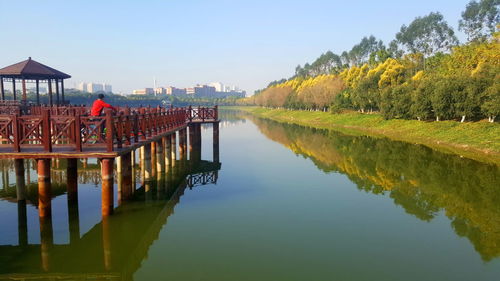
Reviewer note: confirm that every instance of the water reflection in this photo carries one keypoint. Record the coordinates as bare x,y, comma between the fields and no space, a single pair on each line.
114,247
422,181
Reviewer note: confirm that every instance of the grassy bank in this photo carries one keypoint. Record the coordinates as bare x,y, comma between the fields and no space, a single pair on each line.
476,140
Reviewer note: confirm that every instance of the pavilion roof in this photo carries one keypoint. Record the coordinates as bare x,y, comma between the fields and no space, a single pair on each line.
30,69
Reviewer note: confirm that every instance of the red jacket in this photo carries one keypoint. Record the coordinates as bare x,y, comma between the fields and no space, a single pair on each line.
97,107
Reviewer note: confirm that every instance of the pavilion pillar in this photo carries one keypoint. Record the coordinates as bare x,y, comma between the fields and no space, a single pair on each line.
57,91
2,89
49,86
72,189
37,91
24,89
62,91
107,186
14,88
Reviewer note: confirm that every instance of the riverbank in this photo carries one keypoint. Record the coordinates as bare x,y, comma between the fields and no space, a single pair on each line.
476,140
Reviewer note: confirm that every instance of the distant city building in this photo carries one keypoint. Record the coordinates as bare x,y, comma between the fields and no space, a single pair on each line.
145,91
219,87
108,88
173,91
204,91
160,91
213,90
94,87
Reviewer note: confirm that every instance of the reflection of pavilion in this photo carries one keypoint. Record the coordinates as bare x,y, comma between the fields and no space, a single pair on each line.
114,248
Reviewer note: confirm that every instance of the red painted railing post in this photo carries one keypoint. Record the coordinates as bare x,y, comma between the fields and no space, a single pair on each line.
190,114
119,129
46,133
16,133
78,133
136,127
109,130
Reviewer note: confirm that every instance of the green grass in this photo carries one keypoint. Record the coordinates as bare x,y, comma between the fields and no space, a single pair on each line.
476,140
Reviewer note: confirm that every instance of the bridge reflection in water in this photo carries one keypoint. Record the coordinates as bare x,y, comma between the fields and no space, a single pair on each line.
114,248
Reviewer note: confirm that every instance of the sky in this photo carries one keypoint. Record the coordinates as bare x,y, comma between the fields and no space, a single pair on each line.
182,43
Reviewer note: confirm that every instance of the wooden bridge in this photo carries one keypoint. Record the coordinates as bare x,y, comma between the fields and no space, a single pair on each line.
45,133
69,131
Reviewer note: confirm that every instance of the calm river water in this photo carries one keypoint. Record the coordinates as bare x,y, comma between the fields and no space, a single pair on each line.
289,203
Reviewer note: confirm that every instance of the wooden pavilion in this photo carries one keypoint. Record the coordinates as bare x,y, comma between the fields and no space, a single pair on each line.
33,71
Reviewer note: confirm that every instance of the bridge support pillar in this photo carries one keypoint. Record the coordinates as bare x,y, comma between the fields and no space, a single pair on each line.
22,217
72,189
160,165
146,152
173,151
182,143
191,141
126,176
167,145
107,186
132,171
44,187
106,242
154,156
197,143
45,211
119,179
216,142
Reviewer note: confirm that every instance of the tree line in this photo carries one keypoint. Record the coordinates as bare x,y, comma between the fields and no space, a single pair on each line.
424,73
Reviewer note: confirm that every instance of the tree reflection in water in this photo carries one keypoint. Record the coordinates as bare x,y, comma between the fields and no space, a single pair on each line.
421,180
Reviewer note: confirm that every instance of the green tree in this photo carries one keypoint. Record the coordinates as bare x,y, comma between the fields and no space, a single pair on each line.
491,104
421,107
442,98
360,53
427,35
479,19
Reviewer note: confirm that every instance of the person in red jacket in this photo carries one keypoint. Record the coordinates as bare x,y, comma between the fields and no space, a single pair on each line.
99,105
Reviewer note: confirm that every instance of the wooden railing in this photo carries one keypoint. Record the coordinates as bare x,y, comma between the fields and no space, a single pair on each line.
71,128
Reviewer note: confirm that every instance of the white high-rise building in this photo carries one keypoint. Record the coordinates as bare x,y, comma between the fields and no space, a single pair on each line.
219,87
82,87
94,87
108,89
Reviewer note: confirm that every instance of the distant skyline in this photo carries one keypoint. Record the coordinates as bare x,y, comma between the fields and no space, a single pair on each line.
245,43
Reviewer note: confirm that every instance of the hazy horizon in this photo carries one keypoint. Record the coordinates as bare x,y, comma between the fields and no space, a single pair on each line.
183,43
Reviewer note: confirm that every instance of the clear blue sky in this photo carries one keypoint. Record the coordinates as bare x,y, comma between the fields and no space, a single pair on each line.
181,43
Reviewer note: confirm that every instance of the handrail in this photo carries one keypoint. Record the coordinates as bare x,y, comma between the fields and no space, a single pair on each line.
71,126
